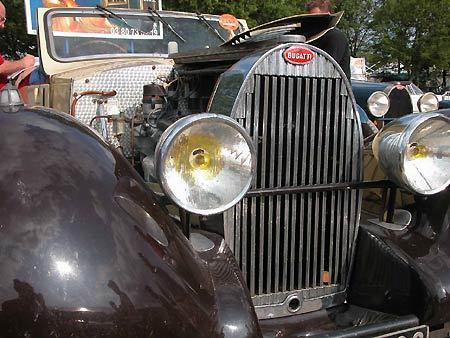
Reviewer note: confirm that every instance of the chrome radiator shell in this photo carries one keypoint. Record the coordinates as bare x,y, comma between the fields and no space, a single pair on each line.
295,251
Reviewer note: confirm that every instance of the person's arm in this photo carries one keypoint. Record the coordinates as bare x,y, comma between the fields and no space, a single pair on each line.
10,67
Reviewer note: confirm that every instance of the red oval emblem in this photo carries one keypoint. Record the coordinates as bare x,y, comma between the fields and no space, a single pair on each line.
299,55
229,22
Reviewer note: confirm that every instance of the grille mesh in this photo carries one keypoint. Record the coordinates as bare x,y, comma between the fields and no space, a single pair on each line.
305,134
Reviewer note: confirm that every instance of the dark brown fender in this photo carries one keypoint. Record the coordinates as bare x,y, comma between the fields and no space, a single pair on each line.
86,250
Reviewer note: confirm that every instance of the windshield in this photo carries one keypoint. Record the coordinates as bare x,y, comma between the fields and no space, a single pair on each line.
79,35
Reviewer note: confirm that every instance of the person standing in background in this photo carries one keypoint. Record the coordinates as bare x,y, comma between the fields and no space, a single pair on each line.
10,67
334,42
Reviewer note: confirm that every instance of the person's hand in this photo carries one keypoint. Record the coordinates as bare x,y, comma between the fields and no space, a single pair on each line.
28,61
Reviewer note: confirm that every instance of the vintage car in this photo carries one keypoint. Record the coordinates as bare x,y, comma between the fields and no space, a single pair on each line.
394,99
217,192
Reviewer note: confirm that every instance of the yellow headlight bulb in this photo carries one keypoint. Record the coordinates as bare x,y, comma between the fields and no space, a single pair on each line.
197,157
200,159
417,151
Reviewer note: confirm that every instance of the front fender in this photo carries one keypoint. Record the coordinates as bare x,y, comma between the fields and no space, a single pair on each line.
85,248
407,271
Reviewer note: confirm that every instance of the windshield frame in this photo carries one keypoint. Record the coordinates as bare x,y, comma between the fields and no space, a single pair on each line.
56,12
413,89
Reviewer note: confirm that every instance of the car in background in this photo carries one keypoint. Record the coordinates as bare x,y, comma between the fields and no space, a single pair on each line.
391,99
424,102
382,99
402,98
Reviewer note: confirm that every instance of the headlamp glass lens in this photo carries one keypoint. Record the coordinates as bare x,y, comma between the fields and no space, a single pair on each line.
428,102
207,167
427,156
378,104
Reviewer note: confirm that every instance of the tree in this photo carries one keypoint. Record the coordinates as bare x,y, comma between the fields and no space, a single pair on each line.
415,34
356,24
14,40
254,11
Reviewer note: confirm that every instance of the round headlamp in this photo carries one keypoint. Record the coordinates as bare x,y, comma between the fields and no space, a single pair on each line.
378,104
204,162
428,102
414,151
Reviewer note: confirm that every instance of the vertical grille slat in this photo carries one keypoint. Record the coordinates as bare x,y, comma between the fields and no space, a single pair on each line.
247,123
304,133
329,95
298,111
303,182
334,153
282,175
291,226
262,200
340,221
256,117
279,160
271,220
347,178
354,194
319,202
313,180
237,236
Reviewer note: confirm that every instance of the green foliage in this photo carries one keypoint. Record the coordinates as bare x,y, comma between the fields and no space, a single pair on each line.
255,12
14,40
356,24
415,34
411,33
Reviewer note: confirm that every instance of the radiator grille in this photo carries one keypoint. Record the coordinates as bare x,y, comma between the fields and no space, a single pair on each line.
305,134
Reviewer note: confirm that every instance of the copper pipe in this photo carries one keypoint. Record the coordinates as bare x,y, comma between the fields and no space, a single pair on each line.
98,117
77,96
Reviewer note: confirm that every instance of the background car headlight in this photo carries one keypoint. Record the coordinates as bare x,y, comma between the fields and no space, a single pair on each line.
204,162
414,151
428,102
378,104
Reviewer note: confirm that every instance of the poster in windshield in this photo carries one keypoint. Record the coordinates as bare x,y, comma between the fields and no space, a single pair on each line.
104,24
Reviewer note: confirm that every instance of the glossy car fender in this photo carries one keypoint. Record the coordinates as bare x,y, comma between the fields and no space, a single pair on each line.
407,271
85,248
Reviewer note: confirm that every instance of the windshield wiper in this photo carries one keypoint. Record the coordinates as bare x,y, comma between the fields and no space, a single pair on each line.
111,14
165,23
206,22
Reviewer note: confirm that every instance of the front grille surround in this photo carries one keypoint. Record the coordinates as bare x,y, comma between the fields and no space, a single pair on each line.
306,132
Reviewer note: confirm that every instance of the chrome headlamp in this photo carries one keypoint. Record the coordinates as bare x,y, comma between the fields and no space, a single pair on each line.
428,102
414,151
204,162
378,104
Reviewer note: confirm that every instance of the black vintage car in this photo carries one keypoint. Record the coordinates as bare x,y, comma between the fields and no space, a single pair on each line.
388,100
275,218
